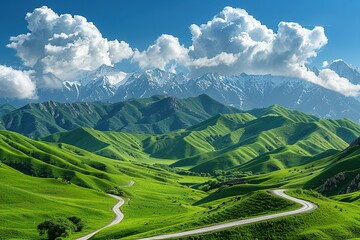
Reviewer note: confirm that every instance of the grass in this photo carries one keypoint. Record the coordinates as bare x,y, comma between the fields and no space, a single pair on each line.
239,207
332,220
65,179
272,139
26,201
283,148
154,115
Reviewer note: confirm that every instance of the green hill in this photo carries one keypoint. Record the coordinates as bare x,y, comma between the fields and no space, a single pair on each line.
158,114
26,201
116,145
341,173
273,138
270,141
41,180
286,149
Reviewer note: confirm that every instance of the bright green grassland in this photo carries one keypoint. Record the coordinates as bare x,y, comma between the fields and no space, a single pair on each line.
272,139
331,220
282,149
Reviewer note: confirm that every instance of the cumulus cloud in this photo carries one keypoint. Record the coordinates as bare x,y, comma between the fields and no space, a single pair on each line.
231,31
162,54
257,49
234,42
64,44
16,84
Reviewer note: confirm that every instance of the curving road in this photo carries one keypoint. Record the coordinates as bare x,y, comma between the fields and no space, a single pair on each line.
306,207
118,214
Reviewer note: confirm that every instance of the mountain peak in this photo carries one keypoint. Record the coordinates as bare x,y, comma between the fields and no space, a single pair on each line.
339,63
346,70
106,68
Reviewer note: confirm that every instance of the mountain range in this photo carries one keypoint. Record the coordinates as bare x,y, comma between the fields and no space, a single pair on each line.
259,141
108,84
154,115
193,162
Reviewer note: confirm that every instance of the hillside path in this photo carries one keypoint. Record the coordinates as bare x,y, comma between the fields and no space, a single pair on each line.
306,207
118,214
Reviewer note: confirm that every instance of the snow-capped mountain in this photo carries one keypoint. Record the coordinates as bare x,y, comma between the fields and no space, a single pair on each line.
346,70
243,91
111,74
98,85
151,82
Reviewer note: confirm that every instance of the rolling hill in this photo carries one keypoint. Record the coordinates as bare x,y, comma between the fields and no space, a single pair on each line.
41,180
341,174
157,114
292,150
260,141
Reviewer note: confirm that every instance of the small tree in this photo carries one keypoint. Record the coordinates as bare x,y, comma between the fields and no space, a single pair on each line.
77,222
56,227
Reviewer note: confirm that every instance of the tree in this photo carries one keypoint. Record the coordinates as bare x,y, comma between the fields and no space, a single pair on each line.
77,222
56,227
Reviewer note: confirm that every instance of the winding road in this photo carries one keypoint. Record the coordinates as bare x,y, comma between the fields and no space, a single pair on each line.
118,214
306,207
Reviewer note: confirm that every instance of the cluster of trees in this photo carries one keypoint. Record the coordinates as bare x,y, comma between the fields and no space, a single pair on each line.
181,171
115,191
223,178
56,228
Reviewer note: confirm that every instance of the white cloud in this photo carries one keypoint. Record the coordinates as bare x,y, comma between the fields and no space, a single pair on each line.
16,84
257,49
231,31
325,64
64,44
234,42
333,81
162,54
231,43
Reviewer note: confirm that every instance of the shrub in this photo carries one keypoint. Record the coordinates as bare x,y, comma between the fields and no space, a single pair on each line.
77,222
56,228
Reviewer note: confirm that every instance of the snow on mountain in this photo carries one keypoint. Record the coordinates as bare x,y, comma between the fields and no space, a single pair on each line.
114,76
246,92
346,70
243,91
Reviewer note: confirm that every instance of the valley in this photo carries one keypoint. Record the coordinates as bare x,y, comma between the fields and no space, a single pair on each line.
211,171
193,120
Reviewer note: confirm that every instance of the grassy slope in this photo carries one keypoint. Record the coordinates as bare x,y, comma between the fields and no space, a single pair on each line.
332,220
157,197
353,197
258,203
311,175
277,138
95,174
26,201
158,114
117,145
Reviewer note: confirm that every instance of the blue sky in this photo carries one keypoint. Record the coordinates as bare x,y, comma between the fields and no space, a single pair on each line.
64,38
140,22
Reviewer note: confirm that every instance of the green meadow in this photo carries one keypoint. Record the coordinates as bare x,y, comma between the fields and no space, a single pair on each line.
215,171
